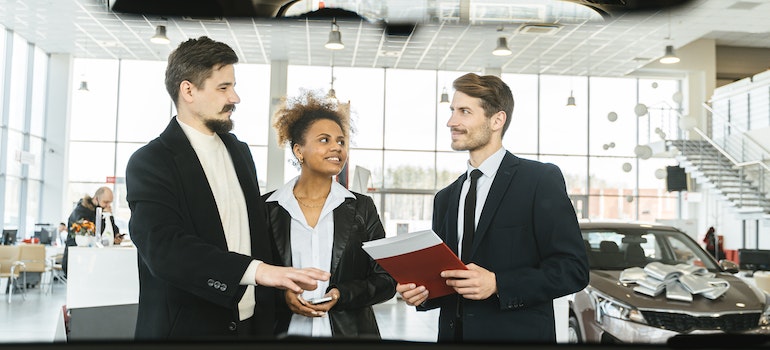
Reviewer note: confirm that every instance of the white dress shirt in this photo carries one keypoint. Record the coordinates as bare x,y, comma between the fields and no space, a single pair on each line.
311,247
489,169
220,173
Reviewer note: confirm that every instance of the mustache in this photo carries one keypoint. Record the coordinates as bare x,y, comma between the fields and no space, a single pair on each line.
457,130
228,108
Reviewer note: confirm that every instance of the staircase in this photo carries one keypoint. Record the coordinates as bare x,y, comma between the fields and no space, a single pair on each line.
711,168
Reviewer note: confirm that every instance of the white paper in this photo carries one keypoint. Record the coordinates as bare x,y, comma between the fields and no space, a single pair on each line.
675,291
661,271
401,244
632,275
695,284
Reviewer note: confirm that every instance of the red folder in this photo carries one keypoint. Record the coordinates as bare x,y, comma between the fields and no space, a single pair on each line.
417,257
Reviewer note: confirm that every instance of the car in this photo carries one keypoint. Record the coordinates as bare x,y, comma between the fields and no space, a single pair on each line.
611,311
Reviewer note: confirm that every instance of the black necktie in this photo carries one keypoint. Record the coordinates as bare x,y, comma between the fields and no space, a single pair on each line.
469,218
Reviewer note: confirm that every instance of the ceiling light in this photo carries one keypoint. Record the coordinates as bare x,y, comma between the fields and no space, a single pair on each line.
669,57
83,86
502,47
444,98
571,100
335,38
160,36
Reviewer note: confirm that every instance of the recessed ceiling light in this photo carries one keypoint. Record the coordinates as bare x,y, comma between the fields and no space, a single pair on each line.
389,53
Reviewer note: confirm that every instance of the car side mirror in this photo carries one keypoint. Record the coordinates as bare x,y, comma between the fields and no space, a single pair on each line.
728,266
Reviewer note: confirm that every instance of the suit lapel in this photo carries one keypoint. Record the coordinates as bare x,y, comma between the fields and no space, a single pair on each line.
496,194
281,231
344,215
452,208
204,212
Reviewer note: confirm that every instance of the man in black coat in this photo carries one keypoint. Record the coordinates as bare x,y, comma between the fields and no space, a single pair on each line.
197,219
511,221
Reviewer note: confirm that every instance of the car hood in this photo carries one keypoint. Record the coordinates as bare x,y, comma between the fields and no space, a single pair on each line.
740,297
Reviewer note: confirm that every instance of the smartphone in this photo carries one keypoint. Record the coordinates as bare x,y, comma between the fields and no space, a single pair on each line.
316,301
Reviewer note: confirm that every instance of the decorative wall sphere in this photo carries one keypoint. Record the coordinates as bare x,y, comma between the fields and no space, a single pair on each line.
612,144
640,110
677,97
643,151
627,167
606,146
687,122
662,135
658,131
629,199
612,116
654,84
660,173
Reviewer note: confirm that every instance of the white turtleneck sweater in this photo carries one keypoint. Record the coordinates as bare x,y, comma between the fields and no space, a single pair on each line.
220,173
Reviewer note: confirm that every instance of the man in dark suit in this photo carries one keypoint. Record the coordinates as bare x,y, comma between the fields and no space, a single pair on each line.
197,219
511,221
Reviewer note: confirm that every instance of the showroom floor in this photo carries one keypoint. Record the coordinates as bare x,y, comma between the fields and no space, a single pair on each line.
34,319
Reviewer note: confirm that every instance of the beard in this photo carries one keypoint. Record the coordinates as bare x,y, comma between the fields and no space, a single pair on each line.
221,126
475,139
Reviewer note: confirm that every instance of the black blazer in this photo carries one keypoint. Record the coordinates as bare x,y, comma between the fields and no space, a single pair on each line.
361,281
189,281
529,237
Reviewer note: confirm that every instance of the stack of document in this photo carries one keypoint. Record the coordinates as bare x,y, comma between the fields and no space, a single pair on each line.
680,281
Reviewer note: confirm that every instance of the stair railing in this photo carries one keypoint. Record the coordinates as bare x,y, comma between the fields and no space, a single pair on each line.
749,154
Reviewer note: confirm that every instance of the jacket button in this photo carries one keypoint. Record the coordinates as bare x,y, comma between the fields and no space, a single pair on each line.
451,324
210,282
217,284
223,287
233,326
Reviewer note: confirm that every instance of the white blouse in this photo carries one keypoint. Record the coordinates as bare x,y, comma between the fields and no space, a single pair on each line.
311,247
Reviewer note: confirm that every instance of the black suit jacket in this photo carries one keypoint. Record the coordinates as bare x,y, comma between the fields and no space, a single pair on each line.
189,281
360,280
529,237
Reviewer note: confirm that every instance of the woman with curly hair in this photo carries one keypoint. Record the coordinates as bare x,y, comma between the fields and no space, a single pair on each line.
316,222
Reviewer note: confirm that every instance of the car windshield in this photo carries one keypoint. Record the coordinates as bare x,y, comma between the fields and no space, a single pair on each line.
618,249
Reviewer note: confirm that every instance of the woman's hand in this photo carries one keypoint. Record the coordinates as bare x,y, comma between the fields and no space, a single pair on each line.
300,306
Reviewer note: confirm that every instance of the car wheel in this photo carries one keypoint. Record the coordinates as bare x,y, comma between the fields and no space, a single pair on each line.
573,336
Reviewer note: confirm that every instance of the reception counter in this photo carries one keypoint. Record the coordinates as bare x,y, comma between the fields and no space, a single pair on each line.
102,293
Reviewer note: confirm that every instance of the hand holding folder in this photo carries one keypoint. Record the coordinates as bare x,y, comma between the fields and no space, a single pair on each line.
416,257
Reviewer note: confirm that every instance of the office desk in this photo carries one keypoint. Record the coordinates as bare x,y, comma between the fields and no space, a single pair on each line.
102,293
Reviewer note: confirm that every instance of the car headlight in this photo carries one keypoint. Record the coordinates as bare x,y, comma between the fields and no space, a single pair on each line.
611,307
764,320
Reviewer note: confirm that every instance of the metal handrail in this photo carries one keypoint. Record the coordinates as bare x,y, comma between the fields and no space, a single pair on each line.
764,175
716,146
744,134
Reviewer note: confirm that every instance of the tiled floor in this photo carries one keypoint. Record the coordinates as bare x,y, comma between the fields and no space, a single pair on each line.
34,319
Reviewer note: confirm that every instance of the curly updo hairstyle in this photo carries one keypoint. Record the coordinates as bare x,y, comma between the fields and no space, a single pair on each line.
297,114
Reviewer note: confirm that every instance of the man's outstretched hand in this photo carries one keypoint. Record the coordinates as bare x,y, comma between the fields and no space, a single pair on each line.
296,280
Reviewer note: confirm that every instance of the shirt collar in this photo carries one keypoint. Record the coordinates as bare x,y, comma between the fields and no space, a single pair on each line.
285,193
490,165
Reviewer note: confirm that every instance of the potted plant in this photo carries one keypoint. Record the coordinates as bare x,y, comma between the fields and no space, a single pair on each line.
84,232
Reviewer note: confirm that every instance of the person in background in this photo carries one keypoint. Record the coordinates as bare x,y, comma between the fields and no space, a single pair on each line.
206,266
316,222
86,210
61,234
714,244
512,223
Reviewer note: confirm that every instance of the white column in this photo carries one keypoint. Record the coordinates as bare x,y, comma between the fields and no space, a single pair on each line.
57,119
275,154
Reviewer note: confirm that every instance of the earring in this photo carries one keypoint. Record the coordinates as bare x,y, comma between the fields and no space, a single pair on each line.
300,161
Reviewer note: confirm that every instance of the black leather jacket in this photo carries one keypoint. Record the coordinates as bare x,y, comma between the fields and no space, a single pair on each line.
361,281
